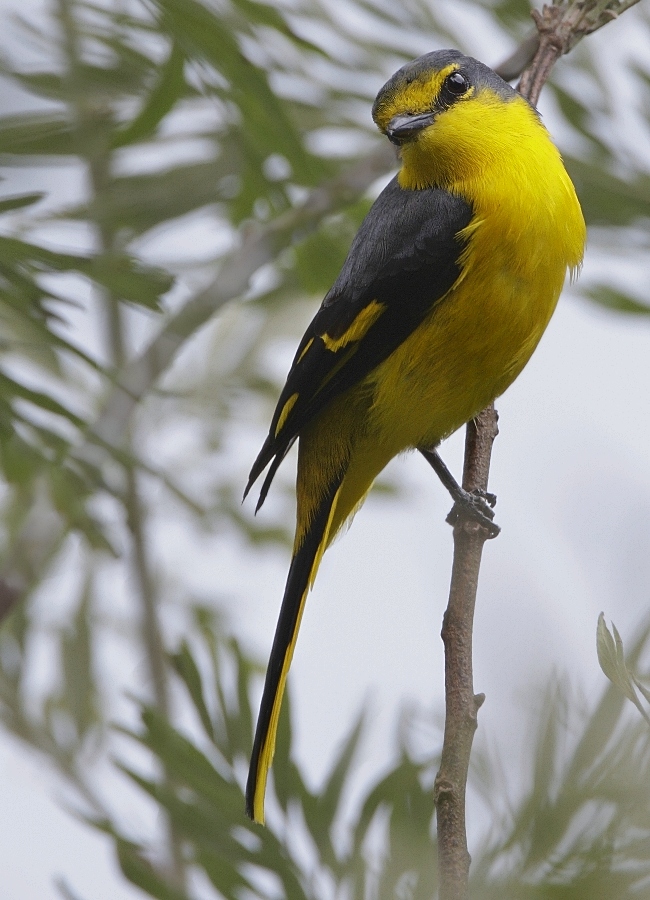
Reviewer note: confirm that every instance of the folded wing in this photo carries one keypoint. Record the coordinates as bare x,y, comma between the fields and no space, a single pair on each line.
402,262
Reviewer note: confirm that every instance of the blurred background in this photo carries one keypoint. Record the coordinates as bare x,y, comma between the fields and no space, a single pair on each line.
181,182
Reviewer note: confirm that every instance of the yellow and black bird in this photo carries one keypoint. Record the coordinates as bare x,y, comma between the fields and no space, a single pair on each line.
445,293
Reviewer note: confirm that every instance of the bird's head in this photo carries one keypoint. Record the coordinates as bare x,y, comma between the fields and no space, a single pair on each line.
451,116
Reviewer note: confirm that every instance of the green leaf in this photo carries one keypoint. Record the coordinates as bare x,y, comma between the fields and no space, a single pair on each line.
607,199
140,872
265,14
223,874
331,794
267,126
192,816
235,712
581,117
186,667
137,203
12,389
20,462
45,84
185,762
128,279
121,274
611,657
70,494
21,253
36,134
244,738
19,201
615,300
318,258
288,782
79,693
166,92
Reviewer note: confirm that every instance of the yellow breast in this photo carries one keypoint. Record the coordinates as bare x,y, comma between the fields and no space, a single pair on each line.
527,231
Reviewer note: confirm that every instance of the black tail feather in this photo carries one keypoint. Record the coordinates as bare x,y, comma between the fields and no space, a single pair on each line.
301,573
265,456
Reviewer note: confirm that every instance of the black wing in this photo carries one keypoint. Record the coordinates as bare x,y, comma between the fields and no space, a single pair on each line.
403,260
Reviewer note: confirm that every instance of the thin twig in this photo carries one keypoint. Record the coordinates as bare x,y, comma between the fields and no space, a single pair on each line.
560,27
462,704
146,589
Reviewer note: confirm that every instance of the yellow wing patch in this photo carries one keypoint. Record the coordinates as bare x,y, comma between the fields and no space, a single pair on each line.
286,409
307,346
365,320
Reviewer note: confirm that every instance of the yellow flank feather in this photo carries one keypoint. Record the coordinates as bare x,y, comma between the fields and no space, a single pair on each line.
505,228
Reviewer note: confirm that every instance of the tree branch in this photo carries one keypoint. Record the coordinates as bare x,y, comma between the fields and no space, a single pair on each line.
559,27
462,704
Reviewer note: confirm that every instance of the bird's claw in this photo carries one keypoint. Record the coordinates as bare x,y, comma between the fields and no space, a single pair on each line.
475,506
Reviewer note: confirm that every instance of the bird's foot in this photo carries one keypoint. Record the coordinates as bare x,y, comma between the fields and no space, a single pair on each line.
475,506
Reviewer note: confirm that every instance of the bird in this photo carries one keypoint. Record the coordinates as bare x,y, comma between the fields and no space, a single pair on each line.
446,291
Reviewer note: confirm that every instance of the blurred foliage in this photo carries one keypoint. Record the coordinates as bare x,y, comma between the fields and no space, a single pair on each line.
580,829
622,674
181,182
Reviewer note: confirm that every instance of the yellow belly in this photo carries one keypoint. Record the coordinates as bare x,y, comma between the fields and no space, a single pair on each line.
469,350
466,353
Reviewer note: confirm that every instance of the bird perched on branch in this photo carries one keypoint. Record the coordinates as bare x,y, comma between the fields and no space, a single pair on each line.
445,293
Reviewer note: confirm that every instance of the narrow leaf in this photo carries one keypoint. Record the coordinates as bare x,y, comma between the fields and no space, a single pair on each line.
140,872
169,88
19,201
186,667
611,657
616,301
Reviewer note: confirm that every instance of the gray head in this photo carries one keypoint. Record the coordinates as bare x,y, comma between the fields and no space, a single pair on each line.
424,88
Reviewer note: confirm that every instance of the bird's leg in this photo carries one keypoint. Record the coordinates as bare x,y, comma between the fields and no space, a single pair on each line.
476,505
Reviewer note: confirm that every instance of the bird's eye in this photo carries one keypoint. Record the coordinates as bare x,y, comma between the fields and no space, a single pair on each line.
456,84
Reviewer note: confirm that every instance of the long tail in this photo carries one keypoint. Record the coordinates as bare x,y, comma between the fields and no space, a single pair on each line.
302,572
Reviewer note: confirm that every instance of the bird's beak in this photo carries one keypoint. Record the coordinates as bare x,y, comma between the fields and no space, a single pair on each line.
406,127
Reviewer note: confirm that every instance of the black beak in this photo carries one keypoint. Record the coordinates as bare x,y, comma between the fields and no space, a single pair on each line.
405,127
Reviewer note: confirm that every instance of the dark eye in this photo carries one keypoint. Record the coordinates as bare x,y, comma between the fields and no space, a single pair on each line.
456,84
